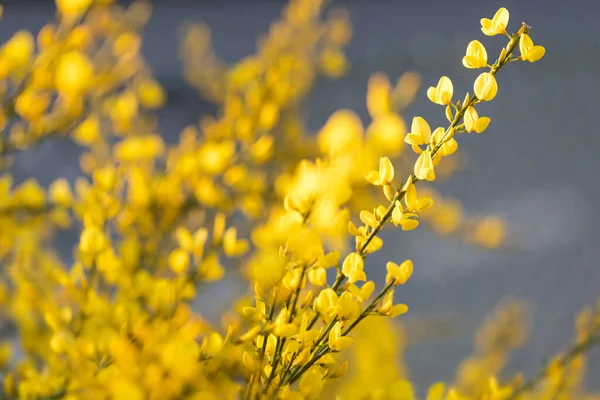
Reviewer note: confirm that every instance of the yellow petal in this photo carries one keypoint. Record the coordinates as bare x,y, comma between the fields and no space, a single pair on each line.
398,309
373,178
500,19
408,224
536,53
386,170
525,43
449,147
481,124
486,25
343,343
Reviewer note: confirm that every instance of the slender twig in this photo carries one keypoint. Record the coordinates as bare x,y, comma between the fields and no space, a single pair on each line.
576,349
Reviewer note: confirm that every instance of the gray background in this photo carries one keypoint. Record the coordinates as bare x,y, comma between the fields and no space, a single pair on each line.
536,164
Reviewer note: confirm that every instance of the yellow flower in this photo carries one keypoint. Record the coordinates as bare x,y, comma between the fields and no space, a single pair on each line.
214,157
348,307
442,93
231,245
485,86
179,261
212,344
386,132
60,192
529,51
151,93
341,133
30,194
407,221
449,147
73,8
333,62
282,327
385,174
88,131
436,392
92,241
424,167
211,269
476,56
353,266
496,25
420,134
311,385
378,95
73,73
413,202
369,218
19,49
402,390
399,274
388,308
317,276
337,342
365,291
475,123
326,304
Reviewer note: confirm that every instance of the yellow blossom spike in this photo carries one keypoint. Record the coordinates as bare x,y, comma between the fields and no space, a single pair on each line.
529,51
442,93
485,86
496,25
476,56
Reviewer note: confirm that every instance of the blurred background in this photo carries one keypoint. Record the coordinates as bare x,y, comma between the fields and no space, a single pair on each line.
536,165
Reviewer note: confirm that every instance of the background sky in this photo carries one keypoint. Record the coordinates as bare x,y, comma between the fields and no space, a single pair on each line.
537,163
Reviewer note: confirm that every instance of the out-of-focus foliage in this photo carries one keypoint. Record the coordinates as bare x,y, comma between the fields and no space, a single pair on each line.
248,193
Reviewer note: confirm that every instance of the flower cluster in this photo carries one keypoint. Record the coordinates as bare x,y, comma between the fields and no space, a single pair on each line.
248,194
